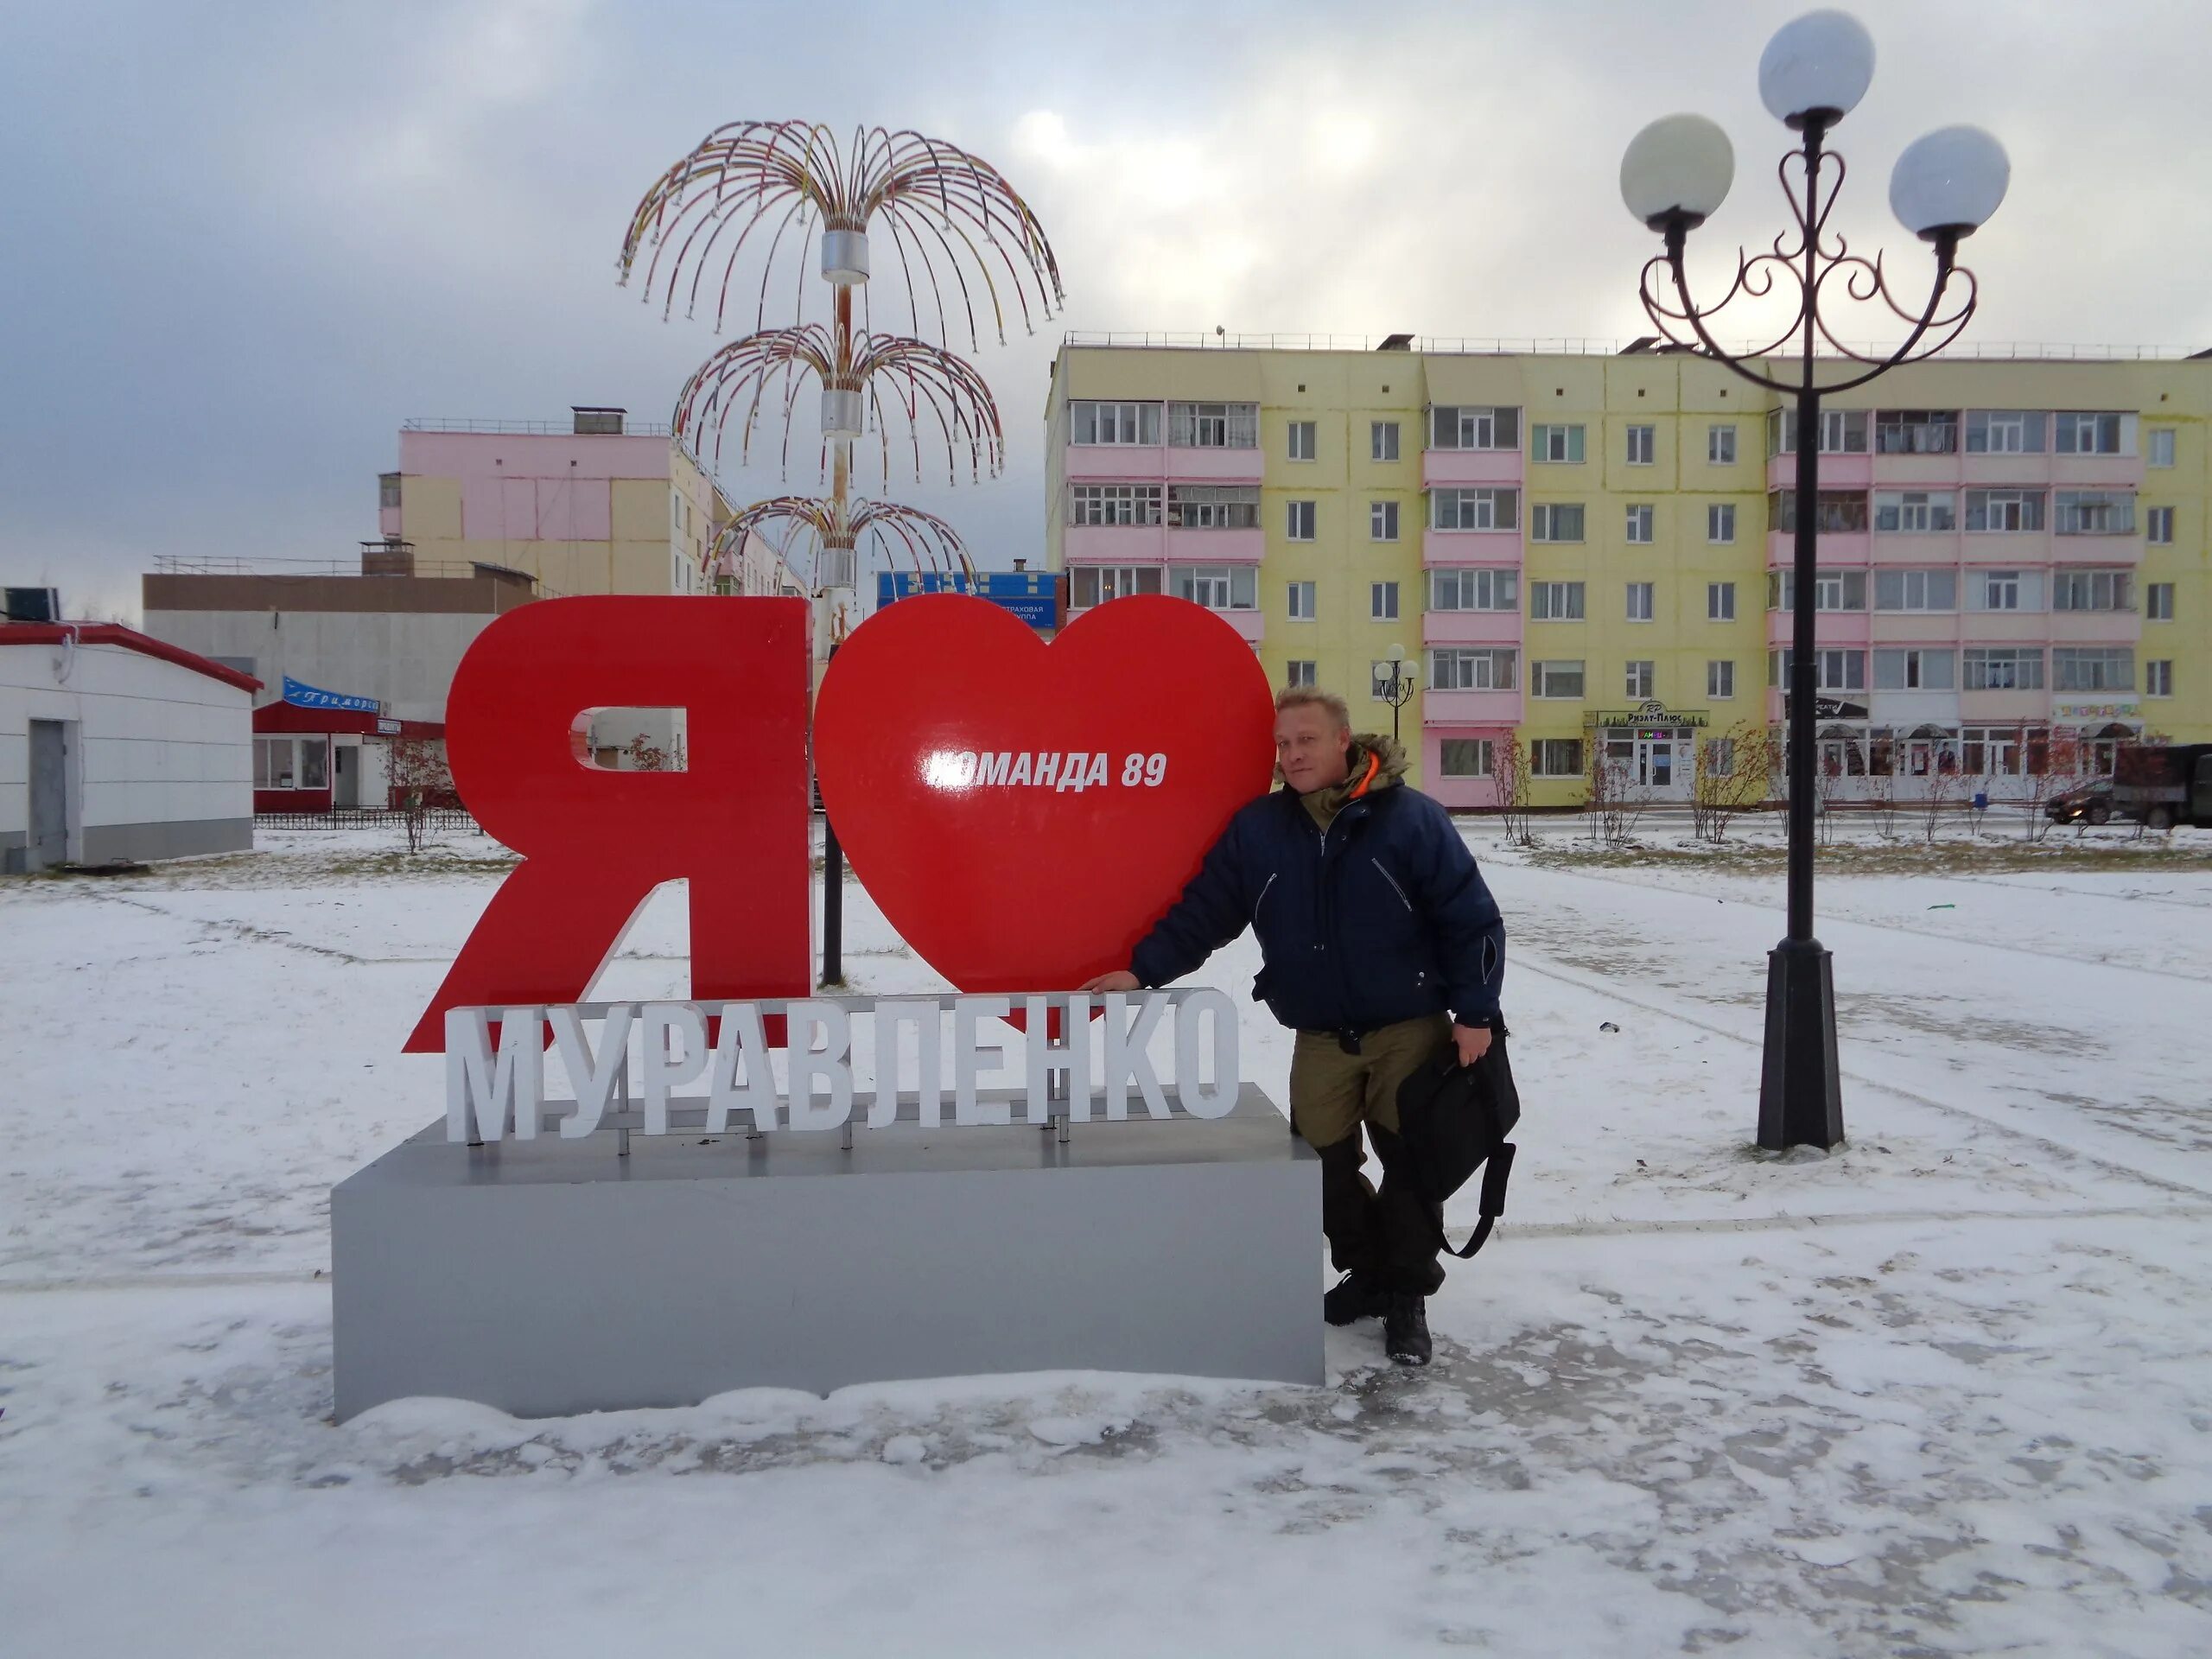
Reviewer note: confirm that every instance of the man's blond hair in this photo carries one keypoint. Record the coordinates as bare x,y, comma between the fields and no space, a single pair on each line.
1312,696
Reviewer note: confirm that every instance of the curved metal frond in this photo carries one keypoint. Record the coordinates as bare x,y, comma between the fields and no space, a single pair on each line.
930,391
902,534
948,213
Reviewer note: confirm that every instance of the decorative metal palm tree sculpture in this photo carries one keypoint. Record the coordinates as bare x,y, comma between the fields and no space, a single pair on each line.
781,188
1675,175
955,226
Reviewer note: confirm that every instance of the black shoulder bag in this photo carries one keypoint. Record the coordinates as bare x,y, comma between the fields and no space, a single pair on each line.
1454,1119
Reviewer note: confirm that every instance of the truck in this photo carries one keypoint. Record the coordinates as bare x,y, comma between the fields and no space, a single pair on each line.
2161,785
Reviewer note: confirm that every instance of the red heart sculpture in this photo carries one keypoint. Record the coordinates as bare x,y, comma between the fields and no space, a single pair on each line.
930,733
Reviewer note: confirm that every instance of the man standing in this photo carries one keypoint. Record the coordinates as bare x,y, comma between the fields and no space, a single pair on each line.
1378,942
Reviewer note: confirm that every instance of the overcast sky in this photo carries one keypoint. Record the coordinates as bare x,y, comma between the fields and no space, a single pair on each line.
245,241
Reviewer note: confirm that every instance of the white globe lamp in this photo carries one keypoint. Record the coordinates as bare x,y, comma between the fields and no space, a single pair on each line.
1816,68
1677,169
1949,183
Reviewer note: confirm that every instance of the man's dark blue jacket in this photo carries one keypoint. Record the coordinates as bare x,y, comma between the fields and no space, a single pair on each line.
1383,917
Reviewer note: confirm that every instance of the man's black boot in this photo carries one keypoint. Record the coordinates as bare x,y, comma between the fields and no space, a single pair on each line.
1405,1329
1354,1297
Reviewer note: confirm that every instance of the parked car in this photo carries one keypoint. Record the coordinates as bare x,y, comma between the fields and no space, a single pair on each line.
2091,801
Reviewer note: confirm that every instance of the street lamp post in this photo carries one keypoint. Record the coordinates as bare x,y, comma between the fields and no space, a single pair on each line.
1398,690
1675,175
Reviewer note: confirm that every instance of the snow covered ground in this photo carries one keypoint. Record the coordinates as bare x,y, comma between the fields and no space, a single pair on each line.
1943,1392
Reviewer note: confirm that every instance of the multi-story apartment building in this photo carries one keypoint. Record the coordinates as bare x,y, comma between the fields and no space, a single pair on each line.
597,504
1591,551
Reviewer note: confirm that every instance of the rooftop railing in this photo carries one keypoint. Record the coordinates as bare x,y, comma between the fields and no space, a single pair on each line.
1577,346
529,428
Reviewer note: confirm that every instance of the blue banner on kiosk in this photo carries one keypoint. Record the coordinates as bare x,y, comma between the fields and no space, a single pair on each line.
303,696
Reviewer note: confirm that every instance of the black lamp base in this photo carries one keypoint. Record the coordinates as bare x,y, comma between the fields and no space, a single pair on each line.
1800,1098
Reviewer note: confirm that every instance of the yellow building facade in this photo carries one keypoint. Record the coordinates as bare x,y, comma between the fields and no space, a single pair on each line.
1585,552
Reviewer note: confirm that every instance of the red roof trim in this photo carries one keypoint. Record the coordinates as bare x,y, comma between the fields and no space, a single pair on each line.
289,718
114,634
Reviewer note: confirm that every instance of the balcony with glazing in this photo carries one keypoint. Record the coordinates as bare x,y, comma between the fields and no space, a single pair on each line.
1158,442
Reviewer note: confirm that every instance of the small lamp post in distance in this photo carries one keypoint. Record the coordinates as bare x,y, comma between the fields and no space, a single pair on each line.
1673,176
1398,689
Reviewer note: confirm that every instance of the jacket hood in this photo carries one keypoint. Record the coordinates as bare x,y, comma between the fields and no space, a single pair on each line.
1376,762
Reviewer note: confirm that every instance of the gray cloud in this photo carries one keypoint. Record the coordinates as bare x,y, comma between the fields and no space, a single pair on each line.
247,240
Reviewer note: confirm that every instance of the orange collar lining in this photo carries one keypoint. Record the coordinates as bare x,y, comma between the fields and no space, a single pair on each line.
1374,765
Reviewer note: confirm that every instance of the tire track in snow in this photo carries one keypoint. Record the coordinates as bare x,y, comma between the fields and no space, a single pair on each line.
1833,917
1678,1011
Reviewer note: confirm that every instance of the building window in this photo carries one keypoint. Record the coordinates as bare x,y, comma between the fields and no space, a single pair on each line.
1642,445
2159,449
1301,601
2093,513
1218,586
1720,601
1561,679
1382,602
1555,521
1475,509
1095,423
1998,590
1832,590
1720,679
2092,668
1301,670
1383,440
1916,590
2004,510
1639,679
2158,678
2158,603
2158,526
1213,426
388,491
2003,667
1640,601
1835,512
1301,440
291,763
1916,513
1720,521
1915,671
1113,504
1639,522
1480,670
1916,432
1474,428
1474,590
1212,506
1843,432
2004,432
1555,757
1555,601
2084,433
1299,527
1833,670
1556,443
1462,757
1094,584
2091,590
1382,521
1721,445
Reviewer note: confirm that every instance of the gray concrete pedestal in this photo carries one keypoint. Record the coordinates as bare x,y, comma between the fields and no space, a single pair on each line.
549,1276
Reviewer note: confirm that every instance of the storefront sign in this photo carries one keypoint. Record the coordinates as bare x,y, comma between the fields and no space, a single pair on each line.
1649,712
1022,812
301,695
2072,708
495,1079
